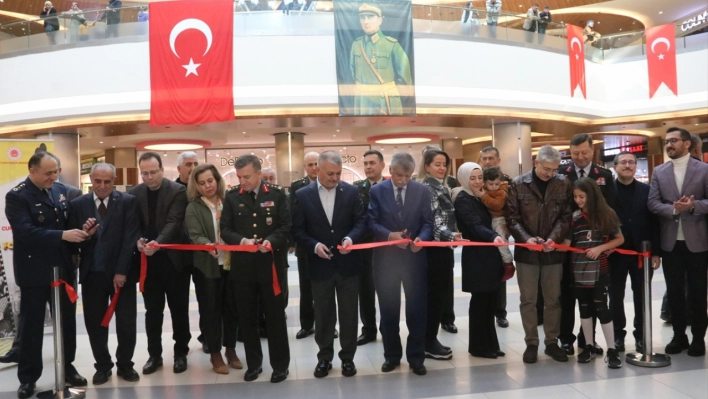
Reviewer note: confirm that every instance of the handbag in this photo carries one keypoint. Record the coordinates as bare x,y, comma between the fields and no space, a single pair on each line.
509,271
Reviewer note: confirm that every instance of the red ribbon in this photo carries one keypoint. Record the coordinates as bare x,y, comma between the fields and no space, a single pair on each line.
70,292
534,247
111,309
204,247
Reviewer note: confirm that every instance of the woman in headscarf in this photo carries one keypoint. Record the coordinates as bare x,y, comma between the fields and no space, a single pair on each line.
482,267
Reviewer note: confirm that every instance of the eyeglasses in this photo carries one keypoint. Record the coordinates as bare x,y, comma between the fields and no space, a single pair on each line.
149,173
630,163
672,141
550,170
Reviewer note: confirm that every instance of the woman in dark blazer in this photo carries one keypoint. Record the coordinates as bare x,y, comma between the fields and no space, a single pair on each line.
206,191
482,267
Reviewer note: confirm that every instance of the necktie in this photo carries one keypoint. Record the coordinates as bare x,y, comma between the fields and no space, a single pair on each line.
102,209
582,172
253,196
49,195
399,201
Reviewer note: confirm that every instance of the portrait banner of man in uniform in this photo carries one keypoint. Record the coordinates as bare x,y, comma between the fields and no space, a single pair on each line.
374,50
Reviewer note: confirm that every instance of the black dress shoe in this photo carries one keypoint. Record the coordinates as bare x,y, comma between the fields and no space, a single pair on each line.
390,365
252,375
365,339
697,348
502,322
568,348
304,333
101,377
205,348
323,368
348,368
26,390
485,355
279,376
152,365
419,370
336,334
500,353
10,357
73,378
180,365
449,327
129,375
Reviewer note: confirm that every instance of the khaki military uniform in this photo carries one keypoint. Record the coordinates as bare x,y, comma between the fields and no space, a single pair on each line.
382,74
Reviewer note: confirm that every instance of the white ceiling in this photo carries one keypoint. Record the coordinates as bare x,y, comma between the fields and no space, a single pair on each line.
649,12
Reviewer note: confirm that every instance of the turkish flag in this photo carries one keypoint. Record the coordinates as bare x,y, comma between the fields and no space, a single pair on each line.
191,62
661,58
576,55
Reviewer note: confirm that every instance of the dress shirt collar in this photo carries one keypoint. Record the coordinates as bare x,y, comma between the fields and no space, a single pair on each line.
319,186
586,169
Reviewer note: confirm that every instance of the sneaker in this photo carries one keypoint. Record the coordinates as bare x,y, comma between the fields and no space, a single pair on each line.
613,359
531,354
556,352
677,345
436,351
587,354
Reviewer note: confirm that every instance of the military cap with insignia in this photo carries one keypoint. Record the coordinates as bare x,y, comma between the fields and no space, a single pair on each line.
369,9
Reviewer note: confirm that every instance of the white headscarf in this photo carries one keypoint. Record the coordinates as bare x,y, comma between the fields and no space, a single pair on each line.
463,176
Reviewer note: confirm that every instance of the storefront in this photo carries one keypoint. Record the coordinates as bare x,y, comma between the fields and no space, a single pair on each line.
641,151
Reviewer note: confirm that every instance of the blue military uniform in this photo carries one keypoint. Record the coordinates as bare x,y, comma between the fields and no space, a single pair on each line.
38,220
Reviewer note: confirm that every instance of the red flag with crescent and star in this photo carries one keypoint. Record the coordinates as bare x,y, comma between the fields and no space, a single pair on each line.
661,58
191,61
576,55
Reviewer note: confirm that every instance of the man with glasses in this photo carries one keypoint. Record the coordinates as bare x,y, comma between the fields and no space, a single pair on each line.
538,212
581,151
162,204
638,224
679,197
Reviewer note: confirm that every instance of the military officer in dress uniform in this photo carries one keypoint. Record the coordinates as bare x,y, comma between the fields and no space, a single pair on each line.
38,210
380,68
256,213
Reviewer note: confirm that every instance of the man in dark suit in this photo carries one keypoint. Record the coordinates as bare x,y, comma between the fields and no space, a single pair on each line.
307,311
161,205
13,355
679,197
400,208
638,224
581,151
105,265
326,214
373,167
257,213
38,212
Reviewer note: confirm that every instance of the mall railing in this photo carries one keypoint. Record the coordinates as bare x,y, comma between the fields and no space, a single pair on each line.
261,20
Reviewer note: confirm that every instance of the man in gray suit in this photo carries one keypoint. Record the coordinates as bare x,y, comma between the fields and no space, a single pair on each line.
162,204
679,197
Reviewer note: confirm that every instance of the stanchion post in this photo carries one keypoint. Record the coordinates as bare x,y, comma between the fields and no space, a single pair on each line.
60,390
648,358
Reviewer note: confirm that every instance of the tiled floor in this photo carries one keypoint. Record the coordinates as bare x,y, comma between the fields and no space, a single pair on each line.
460,377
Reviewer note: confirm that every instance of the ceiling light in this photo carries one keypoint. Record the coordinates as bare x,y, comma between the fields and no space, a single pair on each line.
403,138
661,12
173,145
100,142
337,130
334,135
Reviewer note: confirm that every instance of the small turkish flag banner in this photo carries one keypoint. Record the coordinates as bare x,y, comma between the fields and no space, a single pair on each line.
576,55
661,58
191,62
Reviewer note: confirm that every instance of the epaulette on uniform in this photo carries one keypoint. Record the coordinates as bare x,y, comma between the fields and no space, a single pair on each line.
19,187
235,188
356,183
275,186
392,39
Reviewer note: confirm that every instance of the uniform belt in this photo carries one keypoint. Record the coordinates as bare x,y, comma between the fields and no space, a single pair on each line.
381,89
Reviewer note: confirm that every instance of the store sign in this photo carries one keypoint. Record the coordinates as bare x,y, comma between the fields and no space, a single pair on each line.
634,149
87,165
699,20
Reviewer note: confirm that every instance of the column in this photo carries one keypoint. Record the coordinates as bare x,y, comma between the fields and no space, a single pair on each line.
125,161
453,148
289,153
66,148
513,140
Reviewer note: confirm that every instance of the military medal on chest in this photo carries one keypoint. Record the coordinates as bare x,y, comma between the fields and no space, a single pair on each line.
373,55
